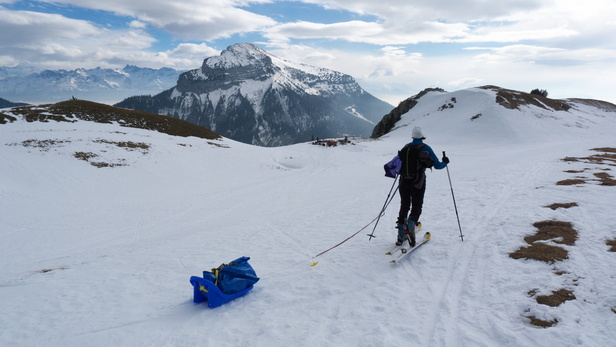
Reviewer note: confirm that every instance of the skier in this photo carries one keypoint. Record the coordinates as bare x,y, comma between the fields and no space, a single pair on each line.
411,163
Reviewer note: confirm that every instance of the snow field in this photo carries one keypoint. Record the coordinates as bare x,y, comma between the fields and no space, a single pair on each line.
102,256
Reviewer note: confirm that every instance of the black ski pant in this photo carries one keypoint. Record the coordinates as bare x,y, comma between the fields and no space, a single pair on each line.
410,195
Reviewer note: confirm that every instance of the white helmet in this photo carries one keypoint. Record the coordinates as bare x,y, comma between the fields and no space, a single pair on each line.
418,133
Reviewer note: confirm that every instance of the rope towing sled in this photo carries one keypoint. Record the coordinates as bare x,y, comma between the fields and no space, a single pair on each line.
224,283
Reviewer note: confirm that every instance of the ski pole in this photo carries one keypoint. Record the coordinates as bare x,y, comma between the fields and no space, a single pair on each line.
387,201
454,200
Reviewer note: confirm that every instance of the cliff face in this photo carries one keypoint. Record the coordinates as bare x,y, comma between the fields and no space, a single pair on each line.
389,120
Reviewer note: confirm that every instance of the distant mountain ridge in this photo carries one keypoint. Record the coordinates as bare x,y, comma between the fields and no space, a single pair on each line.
100,85
5,103
252,96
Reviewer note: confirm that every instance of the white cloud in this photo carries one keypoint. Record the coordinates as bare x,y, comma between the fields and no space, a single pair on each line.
465,82
515,33
138,24
393,51
53,41
8,61
188,20
541,55
18,26
186,56
404,22
194,50
366,32
394,48
465,21
401,12
388,61
563,73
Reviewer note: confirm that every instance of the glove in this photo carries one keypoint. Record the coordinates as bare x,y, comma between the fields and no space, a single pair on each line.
445,160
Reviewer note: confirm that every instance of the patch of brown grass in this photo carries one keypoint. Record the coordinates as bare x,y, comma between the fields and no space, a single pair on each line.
608,182
556,298
41,114
605,179
560,232
85,155
43,145
102,164
74,110
542,323
513,99
217,144
604,149
541,252
5,118
612,244
126,144
601,158
608,157
555,206
570,182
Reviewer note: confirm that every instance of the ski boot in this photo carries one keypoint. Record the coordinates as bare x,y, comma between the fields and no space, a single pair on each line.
410,231
401,234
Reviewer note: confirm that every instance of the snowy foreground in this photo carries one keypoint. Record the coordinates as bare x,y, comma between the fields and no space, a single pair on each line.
102,256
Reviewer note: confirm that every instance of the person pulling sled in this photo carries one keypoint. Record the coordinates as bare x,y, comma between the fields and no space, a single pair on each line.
411,164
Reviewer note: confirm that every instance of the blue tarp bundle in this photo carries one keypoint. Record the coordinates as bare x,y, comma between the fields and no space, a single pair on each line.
225,283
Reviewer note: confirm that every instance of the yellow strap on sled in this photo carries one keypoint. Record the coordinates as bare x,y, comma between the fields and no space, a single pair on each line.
215,271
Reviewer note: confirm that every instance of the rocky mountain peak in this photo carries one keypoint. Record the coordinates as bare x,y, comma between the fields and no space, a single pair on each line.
238,55
252,96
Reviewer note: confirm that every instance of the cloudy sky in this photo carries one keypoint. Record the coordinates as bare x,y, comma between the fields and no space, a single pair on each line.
394,48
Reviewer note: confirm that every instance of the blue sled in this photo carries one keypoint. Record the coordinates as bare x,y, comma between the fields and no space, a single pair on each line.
205,290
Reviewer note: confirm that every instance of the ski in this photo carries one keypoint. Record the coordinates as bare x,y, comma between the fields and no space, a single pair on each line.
393,249
396,248
406,251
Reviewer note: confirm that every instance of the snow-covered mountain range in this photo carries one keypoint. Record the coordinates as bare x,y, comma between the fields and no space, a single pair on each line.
103,221
252,96
99,85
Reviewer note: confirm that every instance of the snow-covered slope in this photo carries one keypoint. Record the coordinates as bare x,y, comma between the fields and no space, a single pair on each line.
102,255
491,114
